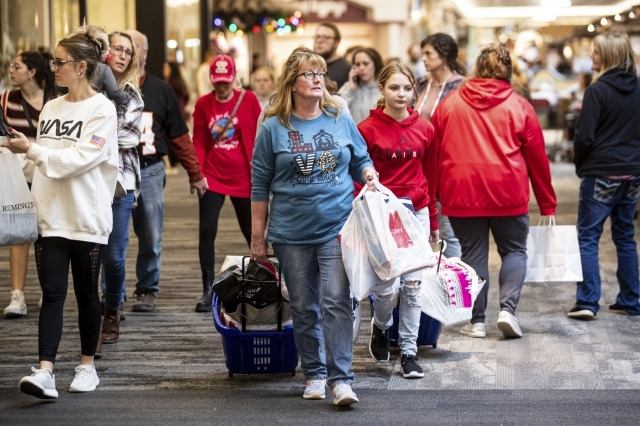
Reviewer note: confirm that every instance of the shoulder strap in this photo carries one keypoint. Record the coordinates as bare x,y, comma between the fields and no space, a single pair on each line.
27,115
233,114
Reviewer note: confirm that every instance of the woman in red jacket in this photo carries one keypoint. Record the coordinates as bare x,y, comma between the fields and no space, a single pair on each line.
490,146
402,147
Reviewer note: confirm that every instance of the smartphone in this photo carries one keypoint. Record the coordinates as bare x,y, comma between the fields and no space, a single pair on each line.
7,130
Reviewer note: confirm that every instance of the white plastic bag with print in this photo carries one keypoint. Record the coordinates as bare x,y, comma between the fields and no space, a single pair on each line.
18,215
396,241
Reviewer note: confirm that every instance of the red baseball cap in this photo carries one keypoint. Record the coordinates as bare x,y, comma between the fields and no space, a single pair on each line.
222,70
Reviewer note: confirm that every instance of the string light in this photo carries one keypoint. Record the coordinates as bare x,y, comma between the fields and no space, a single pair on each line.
252,23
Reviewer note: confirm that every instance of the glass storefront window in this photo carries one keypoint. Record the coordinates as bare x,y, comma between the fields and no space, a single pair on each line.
112,15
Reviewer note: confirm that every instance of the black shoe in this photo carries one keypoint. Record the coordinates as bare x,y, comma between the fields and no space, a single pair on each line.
622,310
410,367
204,305
581,313
145,301
379,343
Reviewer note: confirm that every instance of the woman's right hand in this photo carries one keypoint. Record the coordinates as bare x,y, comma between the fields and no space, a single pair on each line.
259,248
18,144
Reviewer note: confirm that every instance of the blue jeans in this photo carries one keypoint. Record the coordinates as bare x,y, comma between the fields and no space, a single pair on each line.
148,224
320,308
114,272
601,198
446,234
410,307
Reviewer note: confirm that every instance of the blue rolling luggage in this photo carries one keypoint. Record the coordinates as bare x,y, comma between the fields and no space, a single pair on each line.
428,333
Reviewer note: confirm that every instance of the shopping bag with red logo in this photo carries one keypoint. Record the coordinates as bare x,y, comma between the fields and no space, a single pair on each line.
395,240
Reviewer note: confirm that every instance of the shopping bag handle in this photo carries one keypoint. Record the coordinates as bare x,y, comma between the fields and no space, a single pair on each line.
543,221
443,247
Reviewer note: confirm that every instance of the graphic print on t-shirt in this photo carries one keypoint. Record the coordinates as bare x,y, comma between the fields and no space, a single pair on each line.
307,158
227,140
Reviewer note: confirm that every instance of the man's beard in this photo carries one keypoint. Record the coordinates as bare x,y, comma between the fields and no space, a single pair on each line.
327,55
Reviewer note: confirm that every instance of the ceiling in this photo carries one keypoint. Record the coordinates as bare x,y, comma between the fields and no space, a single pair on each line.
505,12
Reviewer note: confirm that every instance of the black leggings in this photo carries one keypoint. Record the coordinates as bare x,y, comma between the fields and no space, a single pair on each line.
53,257
210,206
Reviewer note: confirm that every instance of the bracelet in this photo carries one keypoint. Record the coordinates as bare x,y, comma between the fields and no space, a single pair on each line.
28,149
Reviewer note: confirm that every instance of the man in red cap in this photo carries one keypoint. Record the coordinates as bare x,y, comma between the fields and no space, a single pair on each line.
224,129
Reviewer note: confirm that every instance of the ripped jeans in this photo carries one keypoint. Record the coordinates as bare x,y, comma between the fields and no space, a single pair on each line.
409,308
601,198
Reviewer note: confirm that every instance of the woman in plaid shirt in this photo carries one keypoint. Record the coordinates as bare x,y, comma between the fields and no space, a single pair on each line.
124,64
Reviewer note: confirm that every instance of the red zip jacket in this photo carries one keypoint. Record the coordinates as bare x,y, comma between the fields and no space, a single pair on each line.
490,144
404,154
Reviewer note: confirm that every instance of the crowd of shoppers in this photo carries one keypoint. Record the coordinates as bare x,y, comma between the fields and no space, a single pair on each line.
314,148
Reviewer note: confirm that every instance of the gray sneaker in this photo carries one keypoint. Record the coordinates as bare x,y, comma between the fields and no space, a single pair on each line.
145,301
474,330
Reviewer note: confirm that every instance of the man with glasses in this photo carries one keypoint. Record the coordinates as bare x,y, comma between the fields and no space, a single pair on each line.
325,44
161,119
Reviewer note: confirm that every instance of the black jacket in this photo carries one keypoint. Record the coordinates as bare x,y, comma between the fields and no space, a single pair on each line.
607,136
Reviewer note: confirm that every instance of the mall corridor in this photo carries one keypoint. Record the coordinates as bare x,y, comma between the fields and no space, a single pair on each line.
168,367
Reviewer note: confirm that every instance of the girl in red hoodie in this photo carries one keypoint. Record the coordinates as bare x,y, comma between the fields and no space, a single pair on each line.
402,147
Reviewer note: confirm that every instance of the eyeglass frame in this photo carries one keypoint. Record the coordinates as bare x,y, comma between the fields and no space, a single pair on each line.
16,66
119,50
321,75
55,64
323,37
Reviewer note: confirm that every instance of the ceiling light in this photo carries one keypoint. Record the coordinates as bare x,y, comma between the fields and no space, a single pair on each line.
604,21
617,17
591,28
555,3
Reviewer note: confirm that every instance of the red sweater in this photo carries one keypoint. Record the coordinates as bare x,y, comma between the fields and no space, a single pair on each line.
404,153
490,144
226,163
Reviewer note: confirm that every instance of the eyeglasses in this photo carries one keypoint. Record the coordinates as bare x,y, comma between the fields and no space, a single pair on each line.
311,75
322,37
55,64
119,50
14,66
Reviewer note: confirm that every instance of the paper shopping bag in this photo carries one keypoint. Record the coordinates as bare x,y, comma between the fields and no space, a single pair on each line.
18,216
553,255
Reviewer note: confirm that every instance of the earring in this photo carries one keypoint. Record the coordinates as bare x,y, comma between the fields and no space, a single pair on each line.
80,75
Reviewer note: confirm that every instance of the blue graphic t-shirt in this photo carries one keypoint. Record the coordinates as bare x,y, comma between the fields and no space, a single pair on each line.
309,171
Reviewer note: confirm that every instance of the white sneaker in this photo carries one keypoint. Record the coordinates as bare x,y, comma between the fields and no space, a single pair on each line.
17,307
474,330
508,324
344,395
41,384
315,389
86,379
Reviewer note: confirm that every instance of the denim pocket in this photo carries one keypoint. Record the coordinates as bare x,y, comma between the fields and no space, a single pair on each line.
605,189
634,190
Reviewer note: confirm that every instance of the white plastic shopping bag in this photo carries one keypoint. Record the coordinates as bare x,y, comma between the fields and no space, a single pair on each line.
18,215
449,290
553,255
362,278
395,239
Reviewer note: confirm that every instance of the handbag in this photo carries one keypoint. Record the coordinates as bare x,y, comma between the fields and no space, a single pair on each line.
395,239
449,290
18,215
363,280
553,255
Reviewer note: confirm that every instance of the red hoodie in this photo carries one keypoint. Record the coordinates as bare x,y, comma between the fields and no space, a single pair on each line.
490,144
404,153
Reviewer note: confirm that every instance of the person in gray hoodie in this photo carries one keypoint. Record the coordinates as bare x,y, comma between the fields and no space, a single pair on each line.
607,159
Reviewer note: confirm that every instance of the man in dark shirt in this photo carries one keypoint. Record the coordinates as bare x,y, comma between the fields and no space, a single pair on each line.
161,118
325,44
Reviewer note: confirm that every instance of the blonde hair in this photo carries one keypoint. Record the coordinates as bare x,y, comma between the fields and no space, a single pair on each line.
282,100
494,61
391,69
615,51
131,73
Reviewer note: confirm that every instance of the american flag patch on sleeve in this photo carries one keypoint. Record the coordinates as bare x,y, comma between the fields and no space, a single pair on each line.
98,141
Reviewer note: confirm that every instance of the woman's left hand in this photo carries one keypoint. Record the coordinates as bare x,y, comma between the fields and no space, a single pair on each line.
19,144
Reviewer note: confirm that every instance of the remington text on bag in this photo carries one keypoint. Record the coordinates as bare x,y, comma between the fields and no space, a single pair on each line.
553,255
18,216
